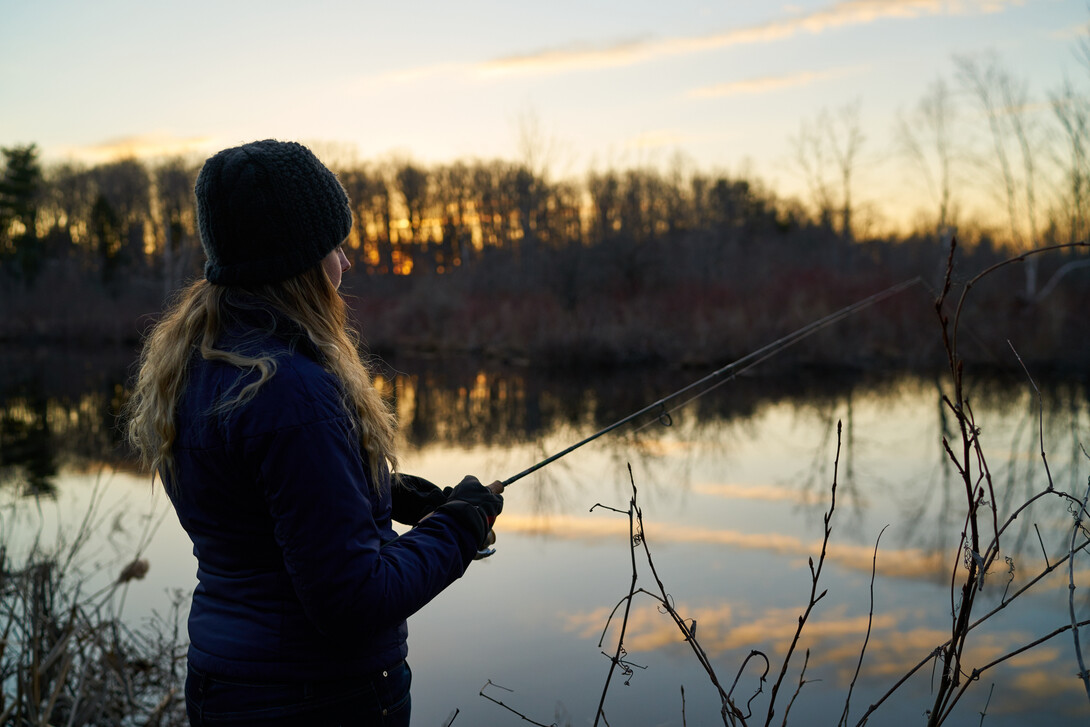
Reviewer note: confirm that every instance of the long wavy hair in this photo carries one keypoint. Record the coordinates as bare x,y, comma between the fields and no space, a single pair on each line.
195,321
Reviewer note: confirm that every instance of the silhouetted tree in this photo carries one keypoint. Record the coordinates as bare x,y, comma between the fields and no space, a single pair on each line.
1073,113
124,189
826,152
68,198
106,234
925,137
20,192
412,183
1003,100
453,195
371,203
605,194
174,182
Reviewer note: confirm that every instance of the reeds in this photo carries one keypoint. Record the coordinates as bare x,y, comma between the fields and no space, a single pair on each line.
68,658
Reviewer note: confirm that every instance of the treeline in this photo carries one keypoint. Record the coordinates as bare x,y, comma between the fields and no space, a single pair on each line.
126,218
621,266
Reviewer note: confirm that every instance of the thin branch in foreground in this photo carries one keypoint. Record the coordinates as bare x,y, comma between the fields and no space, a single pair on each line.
616,660
975,675
938,649
815,575
866,639
753,653
1071,591
729,712
513,711
984,712
1040,413
728,709
1042,542
802,681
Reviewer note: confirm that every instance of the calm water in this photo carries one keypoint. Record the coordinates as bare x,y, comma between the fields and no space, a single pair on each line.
732,496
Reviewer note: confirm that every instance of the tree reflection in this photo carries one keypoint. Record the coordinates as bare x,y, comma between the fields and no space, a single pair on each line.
27,454
58,410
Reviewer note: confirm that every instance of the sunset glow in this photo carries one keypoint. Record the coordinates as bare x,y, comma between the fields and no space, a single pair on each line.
720,87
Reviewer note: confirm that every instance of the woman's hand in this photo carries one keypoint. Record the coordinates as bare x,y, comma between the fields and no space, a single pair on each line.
477,506
496,488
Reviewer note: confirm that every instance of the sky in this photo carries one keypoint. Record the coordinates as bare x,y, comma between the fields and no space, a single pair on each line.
576,84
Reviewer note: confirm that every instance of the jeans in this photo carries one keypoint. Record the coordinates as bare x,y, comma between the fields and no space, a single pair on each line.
381,699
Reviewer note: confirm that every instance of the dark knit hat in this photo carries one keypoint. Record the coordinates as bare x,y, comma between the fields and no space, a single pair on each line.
268,211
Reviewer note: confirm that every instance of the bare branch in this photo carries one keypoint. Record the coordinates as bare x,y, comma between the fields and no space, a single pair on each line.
866,639
815,575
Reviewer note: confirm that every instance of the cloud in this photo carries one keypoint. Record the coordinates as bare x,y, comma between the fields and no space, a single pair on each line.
633,51
140,146
1071,32
895,646
766,84
907,563
904,563
657,140
833,638
630,52
763,493
580,56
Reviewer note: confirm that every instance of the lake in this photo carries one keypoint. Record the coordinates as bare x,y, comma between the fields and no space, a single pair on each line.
732,494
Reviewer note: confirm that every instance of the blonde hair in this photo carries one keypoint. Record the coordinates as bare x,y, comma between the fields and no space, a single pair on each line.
195,320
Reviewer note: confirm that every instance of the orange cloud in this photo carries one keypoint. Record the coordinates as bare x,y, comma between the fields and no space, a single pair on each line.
631,52
914,563
911,562
834,639
140,147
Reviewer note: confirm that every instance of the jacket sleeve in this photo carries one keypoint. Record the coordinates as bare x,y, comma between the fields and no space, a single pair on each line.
322,504
414,497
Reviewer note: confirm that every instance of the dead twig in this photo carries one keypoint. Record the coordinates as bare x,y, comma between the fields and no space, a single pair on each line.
615,661
513,711
815,576
866,639
1075,529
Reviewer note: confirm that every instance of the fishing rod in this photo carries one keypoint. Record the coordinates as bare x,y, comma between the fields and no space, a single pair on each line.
733,369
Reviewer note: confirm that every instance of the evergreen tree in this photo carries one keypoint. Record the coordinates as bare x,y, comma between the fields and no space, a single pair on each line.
20,190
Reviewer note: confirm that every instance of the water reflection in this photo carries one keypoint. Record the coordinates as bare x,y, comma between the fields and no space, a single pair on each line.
58,409
733,495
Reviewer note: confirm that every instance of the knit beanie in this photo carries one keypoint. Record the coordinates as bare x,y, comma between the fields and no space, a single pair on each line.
268,211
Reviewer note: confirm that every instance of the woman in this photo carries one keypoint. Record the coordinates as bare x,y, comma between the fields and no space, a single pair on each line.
255,408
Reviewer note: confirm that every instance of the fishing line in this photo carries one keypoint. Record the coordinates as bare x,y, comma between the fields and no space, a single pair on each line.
734,369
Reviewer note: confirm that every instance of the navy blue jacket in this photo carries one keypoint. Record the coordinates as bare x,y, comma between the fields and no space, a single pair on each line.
300,574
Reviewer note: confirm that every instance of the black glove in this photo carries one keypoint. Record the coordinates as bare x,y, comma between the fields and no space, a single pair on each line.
475,506
413,498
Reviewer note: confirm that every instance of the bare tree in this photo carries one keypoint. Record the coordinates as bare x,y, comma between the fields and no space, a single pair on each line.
924,136
826,151
1003,100
123,212
412,182
811,156
177,217
537,150
845,139
1073,114
370,199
